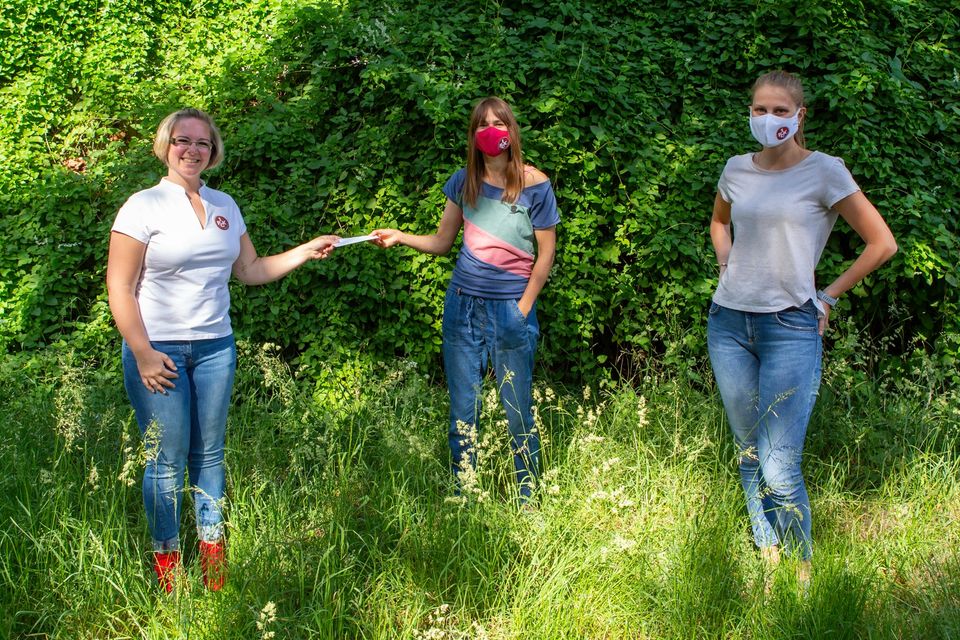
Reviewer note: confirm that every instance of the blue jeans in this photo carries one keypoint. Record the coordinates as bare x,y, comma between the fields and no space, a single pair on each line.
481,330
184,430
767,367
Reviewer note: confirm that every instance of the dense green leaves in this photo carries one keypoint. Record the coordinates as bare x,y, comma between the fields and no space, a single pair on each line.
346,116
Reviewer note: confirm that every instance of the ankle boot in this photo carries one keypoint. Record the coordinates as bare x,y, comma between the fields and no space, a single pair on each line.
166,564
213,563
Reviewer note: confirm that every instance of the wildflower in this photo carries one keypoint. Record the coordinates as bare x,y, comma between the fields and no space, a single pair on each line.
616,500
93,477
129,466
46,476
69,403
584,442
438,620
490,402
507,378
268,615
610,464
642,411
276,373
135,457
618,544
623,544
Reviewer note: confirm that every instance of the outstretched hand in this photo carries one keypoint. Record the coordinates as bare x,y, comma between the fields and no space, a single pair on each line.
320,247
385,238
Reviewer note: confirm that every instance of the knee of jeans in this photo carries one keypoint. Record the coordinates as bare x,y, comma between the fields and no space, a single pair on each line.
206,458
781,472
163,468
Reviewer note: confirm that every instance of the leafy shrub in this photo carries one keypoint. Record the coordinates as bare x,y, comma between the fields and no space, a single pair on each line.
348,116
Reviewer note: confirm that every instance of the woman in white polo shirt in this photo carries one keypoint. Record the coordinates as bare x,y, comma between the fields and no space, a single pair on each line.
767,315
173,248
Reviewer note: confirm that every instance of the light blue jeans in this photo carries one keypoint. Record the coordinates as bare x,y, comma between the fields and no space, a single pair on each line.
481,330
767,367
184,429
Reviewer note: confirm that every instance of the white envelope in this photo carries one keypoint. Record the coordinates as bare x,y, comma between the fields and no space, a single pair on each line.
342,242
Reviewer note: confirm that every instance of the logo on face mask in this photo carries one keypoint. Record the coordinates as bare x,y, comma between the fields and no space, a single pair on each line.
492,141
771,131
222,223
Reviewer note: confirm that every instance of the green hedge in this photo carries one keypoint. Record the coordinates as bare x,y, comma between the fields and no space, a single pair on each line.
344,116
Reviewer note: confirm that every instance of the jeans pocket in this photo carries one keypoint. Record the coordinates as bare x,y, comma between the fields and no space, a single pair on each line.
798,318
515,305
714,308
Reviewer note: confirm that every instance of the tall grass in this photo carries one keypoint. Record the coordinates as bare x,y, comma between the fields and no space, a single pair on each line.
343,521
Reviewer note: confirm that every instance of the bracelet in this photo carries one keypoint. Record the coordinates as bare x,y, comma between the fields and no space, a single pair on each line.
825,297
723,264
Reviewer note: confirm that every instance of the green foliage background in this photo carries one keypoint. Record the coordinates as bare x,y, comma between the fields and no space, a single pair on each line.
345,116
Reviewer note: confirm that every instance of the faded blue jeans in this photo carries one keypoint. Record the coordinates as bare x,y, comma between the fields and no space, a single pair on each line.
184,429
767,367
481,330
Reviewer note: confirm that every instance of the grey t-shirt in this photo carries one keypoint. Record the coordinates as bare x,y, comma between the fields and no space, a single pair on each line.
781,221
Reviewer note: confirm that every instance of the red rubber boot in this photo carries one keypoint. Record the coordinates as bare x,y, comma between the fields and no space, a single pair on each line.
213,563
166,564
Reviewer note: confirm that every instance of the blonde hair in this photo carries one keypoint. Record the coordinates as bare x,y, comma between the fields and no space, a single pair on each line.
161,143
514,177
792,85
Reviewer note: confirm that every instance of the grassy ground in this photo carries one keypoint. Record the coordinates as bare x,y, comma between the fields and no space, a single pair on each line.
343,524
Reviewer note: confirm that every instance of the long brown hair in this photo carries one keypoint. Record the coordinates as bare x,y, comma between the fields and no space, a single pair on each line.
475,165
793,86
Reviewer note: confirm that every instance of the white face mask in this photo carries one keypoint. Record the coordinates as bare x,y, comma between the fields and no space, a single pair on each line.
772,131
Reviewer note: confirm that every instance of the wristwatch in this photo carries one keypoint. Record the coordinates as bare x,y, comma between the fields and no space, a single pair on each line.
830,300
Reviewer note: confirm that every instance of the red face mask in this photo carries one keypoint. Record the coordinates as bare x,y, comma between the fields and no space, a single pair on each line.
492,141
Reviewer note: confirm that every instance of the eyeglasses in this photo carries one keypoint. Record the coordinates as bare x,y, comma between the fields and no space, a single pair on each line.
182,142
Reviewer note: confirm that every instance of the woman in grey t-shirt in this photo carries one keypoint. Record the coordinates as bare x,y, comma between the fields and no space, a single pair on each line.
772,215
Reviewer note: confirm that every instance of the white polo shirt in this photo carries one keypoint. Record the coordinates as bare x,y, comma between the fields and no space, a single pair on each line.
182,290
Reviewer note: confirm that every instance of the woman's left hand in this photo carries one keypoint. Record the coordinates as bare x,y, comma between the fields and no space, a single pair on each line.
824,319
524,307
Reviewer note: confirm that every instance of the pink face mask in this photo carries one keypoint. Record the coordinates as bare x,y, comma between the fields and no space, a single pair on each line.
492,141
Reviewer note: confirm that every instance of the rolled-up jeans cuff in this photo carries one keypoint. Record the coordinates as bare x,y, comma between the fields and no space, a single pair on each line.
210,532
164,546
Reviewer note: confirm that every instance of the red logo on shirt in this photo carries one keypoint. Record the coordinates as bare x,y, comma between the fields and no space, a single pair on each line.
222,223
782,133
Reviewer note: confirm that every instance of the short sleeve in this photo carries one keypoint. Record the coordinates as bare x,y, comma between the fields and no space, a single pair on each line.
838,182
543,207
453,189
723,185
235,210
131,221
243,225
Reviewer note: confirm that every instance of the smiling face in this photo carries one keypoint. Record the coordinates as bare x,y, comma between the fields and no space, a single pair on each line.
185,163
